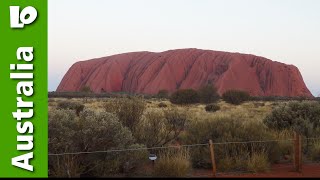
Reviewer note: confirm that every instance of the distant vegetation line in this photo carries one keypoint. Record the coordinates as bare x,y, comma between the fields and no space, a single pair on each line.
148,96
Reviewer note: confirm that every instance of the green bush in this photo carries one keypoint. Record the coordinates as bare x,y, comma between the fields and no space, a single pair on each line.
159,127
86,89
128,110
173,163
185,96
208,94
78,107
302,117
163,94
212,108
91,131
162,105
258,104
278,98
235,97
229,128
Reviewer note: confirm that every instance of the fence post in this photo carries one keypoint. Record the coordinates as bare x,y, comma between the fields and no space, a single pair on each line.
297,149
214,169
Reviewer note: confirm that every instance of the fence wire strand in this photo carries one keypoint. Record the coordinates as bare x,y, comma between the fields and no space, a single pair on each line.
166,147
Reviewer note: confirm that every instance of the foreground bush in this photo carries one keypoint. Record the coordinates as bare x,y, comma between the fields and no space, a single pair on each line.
185,96
235,97
91,131
159,128
208,94
229,128
212,108
163,94
173,163
71,105
128,110
302,117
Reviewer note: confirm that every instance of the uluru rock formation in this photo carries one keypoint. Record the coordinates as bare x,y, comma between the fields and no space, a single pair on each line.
149,72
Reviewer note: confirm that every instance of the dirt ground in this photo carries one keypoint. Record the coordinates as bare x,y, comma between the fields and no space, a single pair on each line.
279,170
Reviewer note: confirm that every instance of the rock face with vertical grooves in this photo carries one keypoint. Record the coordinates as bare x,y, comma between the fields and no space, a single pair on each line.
149,72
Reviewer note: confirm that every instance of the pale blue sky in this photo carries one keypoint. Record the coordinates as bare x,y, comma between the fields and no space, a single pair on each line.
287,31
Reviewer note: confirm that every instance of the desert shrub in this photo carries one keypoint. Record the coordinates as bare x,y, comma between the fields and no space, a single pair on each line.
262,98
185,96
128,110
315,151
125,162
148,96
71,105
86,89
79,95
162,105
302,117
212,108
278,98
258,104
235,97
163,94
229,128
258,163
173,163
176,119
208,94
91,131
159,127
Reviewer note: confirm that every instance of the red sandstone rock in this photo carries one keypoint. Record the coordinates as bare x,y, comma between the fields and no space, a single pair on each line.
148,72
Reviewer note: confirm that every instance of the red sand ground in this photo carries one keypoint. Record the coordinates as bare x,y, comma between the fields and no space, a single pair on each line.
280,170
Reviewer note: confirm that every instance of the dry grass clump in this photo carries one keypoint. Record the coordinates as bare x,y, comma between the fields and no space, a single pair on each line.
173,163
258,162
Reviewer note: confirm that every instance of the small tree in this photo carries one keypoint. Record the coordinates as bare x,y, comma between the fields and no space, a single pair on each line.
235,96
208,94
159,127
185,96
86,89
163,94
128,110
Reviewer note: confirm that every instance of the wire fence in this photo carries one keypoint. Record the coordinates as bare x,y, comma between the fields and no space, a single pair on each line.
165,147
237,157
